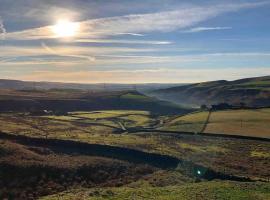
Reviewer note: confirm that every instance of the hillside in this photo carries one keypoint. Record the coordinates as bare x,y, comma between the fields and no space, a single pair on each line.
251,91
78,100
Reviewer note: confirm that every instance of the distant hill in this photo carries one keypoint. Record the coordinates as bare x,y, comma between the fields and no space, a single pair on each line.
79,100
251,91
29,85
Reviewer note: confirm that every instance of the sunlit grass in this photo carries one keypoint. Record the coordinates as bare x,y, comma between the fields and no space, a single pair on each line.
191,122
205,190
260,154
199,148
243,122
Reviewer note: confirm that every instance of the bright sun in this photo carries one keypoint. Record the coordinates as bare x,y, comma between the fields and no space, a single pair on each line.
65,28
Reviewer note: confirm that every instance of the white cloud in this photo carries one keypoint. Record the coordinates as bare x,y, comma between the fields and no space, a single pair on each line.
201,29
2,29
162,21
140,23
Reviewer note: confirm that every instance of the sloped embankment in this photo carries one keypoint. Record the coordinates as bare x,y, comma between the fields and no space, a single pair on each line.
32,167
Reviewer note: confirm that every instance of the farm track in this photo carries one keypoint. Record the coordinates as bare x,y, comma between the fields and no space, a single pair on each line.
120,153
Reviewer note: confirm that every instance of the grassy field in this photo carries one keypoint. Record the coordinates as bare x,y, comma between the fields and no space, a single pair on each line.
105,127
127,118
137,97
193,122
98,128
98,122
197,191
247,122
240,122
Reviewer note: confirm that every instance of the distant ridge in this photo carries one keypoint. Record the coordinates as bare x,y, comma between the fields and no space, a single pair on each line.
22,85
251,91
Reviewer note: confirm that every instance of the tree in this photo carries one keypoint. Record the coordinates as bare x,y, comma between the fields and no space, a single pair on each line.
204,107
242,104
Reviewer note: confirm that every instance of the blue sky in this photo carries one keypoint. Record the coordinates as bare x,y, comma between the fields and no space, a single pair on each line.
138,41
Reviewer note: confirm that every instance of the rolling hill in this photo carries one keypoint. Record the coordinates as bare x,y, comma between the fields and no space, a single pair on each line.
251,91
78,100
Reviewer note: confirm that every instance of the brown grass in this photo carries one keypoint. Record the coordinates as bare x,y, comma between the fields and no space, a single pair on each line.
240,122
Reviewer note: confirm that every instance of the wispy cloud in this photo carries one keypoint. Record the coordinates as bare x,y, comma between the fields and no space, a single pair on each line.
201,29
18,51
2,29
21,55
238,54
113,56
53,52
140,23
123,41
133,34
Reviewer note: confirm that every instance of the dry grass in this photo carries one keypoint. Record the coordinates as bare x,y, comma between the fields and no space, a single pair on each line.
30,171
215,153
197,191
200,148
241,122
191,122
260,154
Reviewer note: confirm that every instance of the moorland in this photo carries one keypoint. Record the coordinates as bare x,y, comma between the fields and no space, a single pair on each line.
70,143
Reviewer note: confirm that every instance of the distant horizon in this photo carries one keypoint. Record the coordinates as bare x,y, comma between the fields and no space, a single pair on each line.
129,83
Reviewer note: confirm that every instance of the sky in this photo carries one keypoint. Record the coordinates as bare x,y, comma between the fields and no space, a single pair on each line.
142,41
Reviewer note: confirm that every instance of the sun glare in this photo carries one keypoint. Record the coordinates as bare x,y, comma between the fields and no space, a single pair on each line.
65,28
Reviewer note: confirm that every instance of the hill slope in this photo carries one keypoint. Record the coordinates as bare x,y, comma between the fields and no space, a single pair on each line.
79,100
251,91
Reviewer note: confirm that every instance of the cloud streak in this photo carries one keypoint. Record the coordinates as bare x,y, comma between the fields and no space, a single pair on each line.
151,42
202,29
113,56
19,51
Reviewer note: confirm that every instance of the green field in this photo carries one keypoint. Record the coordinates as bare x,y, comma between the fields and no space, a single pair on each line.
128,118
